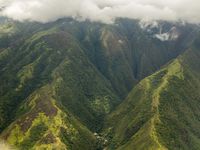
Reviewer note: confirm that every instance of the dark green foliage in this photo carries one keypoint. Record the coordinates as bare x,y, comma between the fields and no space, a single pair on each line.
175,114
35,134
89,68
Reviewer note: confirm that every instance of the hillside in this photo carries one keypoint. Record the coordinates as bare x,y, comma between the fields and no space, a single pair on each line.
61,79
162,111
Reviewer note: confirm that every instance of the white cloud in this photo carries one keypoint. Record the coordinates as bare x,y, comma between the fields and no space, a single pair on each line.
102,10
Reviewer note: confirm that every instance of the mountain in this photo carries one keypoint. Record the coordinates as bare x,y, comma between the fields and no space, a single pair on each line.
63,83
162,111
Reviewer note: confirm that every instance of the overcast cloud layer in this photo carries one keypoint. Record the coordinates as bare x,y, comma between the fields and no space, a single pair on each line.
102,10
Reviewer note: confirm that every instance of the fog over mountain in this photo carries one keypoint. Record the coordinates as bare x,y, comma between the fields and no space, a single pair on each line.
105,11
4,146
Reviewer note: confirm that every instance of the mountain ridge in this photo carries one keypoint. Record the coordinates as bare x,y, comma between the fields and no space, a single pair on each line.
64,78
149,103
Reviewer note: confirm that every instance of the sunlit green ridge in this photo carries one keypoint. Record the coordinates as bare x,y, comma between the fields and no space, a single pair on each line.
163,107
88,86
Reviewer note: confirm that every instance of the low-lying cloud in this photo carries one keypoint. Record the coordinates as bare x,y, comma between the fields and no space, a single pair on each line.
105,11
4,146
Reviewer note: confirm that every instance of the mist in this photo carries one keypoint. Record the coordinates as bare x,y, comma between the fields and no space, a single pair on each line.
105,11
4,146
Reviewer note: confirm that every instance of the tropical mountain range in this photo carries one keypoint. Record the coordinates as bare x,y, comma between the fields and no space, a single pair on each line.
131,85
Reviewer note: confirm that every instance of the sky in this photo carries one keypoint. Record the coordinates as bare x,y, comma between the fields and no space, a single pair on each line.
105,11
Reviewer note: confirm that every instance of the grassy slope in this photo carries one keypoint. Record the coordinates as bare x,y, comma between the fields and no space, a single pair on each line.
161,112
57,55
50,80
91,67
44,125
53,75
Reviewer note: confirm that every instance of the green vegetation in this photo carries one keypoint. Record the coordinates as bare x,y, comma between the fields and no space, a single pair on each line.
61,81
164,109
35,134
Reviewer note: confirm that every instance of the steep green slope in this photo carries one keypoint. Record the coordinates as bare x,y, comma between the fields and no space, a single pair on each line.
53,55
59,80
98,64
162,111
125,47
44,125
52,78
